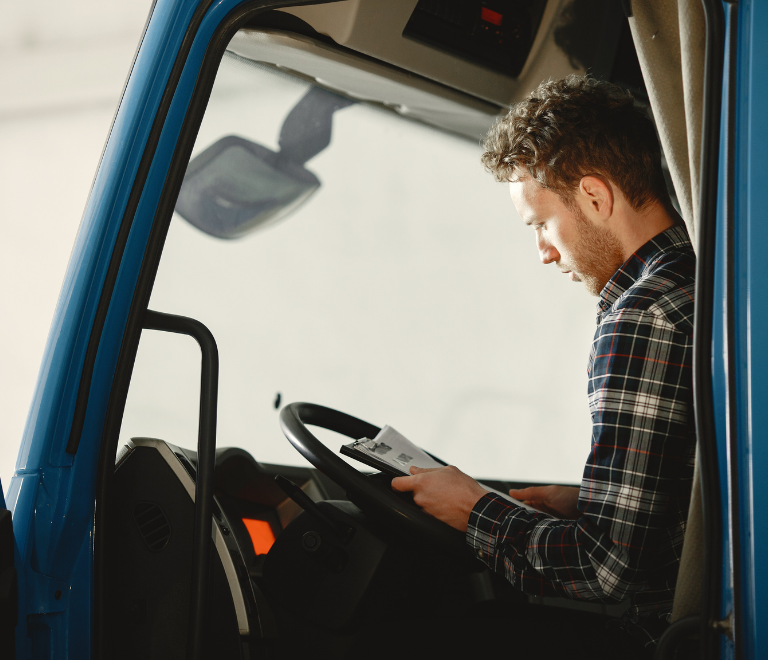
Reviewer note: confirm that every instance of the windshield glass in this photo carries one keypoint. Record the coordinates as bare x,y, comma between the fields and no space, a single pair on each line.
391,279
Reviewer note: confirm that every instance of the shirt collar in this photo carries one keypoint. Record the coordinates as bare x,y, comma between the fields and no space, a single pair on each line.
674,238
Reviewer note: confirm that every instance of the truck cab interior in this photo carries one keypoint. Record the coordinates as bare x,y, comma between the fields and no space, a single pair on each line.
331,237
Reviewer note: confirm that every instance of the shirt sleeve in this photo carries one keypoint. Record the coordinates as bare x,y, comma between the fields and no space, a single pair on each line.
639,398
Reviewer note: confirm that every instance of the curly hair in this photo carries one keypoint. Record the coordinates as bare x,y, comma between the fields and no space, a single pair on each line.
566,129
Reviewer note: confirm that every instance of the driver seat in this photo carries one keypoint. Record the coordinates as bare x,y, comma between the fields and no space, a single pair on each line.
150,561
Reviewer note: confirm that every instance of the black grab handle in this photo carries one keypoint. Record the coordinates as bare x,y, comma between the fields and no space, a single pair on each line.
206,456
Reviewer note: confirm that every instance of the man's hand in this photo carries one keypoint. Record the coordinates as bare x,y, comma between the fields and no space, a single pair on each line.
558,501
446,493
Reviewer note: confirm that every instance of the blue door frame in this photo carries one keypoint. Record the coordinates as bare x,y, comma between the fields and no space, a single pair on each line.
750,280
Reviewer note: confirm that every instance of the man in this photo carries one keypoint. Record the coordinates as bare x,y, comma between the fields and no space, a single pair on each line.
583,165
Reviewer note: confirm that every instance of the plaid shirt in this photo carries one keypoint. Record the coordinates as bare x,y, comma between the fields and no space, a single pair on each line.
637,481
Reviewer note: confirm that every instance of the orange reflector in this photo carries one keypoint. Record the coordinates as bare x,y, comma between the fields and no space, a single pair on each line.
261,535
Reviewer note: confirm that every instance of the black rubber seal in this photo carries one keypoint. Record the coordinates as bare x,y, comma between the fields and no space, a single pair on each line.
732,365
703,327
81,404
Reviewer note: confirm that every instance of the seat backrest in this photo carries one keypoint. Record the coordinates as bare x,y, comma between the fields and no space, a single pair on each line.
149,563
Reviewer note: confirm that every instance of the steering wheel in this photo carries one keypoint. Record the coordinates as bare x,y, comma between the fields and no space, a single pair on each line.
361,489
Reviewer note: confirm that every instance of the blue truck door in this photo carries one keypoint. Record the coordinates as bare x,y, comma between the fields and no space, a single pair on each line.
55,487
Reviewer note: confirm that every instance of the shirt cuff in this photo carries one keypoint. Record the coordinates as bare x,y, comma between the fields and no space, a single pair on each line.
485,521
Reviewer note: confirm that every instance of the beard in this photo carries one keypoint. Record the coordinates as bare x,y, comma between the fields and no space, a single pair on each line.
595,257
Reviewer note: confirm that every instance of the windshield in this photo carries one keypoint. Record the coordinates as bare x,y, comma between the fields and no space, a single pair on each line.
401,288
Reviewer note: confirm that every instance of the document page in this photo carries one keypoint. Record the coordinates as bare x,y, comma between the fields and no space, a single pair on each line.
398,452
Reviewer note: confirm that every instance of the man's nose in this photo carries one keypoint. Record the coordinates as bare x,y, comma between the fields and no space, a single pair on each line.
547,252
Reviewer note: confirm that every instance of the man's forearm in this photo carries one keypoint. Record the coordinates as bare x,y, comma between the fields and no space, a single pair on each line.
543,555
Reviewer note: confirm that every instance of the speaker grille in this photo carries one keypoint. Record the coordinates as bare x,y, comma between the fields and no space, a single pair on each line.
153,525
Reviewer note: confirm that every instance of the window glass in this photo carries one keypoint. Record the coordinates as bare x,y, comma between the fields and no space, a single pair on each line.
404,290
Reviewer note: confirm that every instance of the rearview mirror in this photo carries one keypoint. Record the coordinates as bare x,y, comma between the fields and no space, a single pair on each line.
236,186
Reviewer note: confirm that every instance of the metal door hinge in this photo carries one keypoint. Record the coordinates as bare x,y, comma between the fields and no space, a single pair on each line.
725,626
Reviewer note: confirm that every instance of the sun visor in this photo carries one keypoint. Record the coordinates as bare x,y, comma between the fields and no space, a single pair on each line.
364,79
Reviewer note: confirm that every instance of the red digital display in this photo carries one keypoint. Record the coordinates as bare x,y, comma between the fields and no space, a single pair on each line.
490,16
261,535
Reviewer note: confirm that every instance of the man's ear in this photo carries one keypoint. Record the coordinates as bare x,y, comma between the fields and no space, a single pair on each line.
597,197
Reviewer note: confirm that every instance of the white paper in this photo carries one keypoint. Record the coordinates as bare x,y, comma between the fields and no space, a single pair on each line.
395,449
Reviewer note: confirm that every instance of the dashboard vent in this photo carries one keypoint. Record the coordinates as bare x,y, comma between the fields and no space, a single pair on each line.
153,525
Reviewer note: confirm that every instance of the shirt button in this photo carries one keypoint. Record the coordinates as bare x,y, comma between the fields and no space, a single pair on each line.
480,553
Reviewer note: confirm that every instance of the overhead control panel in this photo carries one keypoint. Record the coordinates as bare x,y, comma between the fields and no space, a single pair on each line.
493,50
497,34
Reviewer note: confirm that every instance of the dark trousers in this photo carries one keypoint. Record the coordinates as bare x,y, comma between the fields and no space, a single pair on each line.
549,634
